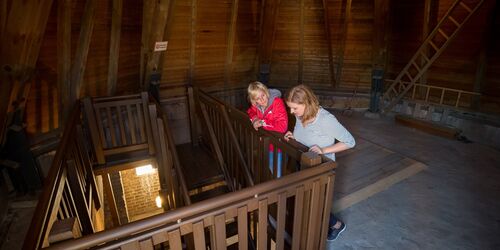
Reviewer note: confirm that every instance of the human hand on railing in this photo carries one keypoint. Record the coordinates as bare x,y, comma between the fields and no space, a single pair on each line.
316,149
288,136
257,123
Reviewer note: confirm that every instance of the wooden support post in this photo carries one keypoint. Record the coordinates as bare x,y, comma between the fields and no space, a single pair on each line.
309,159
429,21
328,35
114,47
482,59
64,57
300,77
148,9
230,44
22,26
267,32
192,44
78,67
379,51
159,32
343,38
108,190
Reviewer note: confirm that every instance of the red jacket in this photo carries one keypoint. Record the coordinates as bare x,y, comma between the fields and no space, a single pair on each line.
275,116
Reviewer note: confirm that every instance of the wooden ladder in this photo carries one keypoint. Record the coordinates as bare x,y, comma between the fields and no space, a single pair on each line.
429,51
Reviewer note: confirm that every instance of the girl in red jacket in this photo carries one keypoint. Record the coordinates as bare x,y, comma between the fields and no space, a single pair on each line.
267,111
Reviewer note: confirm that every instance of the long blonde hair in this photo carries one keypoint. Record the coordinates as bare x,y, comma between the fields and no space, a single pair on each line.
302,94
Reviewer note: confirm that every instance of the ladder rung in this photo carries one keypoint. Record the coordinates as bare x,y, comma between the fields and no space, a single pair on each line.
465,6
454,21
424,56
409,76
444,34
433,45
415,65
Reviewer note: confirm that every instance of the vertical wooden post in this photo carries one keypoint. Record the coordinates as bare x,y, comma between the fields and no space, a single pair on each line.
326,16
343,38
78,67
230,44
309,159
379,51
482,59
110,195
64,57
159,31
148,8
114,47
192,43
267,32
300,77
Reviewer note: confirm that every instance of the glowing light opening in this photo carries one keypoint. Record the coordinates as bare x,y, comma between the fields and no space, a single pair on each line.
143,170
158,201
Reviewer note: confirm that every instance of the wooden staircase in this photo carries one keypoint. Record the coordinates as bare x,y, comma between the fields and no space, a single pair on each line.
437,41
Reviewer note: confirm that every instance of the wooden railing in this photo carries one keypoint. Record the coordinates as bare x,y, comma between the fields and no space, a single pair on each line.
175,191
304,192
441,95
244,150
117,126
69,190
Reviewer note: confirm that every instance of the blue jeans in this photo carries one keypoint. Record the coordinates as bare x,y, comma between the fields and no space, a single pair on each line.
333,220
271,163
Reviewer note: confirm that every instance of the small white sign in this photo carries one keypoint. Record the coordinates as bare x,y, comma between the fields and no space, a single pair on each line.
161,46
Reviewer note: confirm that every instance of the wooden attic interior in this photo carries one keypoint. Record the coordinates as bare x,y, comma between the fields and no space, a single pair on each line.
432,65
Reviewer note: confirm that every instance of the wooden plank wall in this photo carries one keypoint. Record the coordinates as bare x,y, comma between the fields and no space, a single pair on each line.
42,109
211,30
198,47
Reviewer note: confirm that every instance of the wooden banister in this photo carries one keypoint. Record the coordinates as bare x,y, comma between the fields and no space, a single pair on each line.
237,205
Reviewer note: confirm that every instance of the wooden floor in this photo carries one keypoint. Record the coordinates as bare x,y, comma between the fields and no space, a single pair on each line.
368,169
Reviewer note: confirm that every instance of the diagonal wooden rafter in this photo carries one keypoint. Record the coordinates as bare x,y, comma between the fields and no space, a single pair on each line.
267,32
114,47
22,26
82,50
230,44
158,31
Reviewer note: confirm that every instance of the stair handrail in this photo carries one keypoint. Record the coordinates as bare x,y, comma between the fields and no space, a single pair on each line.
171,144
185,220
55,185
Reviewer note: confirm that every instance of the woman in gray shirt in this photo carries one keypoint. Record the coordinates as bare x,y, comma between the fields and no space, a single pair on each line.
319,130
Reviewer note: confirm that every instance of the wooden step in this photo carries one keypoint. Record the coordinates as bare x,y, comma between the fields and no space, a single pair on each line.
429,127
220,190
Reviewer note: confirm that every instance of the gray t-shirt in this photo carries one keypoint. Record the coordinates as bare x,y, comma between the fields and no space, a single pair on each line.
323,131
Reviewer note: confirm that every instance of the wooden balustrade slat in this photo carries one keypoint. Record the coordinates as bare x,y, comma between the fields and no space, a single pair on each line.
111,127
91,121
280,230
297,218
313,217
328,198
262,226
140,123
120,123
134,245
220,231
199,235
242,228
146,244
131,124
159,237
174,240
145,101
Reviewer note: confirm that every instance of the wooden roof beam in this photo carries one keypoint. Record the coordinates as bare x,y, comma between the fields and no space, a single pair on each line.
267,32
